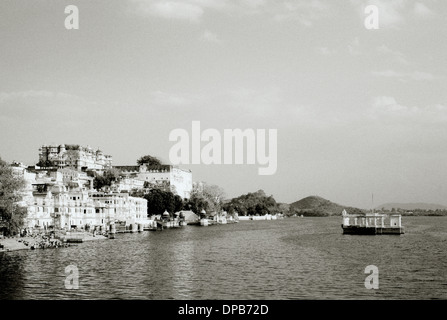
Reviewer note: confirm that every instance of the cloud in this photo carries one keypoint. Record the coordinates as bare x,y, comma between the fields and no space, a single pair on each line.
395,55
407,76
210,37
35,104
305,12
325,51
421,10
177,10
165,99
23,95
354,47
392,13
386,108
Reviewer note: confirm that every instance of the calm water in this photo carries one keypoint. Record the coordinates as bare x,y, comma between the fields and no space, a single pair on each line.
296,258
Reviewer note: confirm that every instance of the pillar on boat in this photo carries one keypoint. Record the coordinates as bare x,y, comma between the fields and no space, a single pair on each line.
383,222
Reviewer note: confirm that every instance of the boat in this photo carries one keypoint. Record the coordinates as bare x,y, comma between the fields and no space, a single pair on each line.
372,224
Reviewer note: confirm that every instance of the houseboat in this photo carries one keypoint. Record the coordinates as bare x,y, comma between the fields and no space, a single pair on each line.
372,223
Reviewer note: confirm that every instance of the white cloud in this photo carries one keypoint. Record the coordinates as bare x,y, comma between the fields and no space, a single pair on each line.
395,13
32,95
39,104
407,76
305,12
396,55
171,9
210,37
354,47
421,10
325,51
387,109
10,96
165,99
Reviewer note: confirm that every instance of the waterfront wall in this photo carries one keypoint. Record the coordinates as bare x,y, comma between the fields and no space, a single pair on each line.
265,217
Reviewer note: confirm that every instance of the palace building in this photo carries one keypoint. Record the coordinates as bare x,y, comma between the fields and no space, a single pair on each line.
166,177
73,156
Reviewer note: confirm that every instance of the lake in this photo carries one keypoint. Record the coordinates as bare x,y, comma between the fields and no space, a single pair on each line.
289,259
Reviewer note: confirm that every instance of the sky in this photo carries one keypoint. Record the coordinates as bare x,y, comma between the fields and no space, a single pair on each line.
357,111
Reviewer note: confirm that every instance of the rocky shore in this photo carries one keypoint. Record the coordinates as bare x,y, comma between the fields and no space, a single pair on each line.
40,242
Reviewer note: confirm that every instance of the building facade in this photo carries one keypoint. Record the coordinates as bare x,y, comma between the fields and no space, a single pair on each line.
165,177
73,156
62,199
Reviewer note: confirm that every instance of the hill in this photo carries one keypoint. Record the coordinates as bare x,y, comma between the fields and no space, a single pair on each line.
318,206
411,206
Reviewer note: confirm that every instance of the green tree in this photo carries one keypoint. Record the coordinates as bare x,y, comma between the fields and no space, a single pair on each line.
149,161
12,215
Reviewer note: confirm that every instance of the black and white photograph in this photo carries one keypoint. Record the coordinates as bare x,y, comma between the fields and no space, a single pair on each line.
223,158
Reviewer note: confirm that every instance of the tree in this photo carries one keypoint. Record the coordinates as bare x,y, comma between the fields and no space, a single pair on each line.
12,215
196,203
158,201
71,157
107,178
178,203
149,161
207,197
46,163
256,203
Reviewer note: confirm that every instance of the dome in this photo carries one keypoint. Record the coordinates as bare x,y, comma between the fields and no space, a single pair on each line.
166,214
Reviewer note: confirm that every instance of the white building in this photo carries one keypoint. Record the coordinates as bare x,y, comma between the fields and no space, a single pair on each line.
60,200
166,177
74,156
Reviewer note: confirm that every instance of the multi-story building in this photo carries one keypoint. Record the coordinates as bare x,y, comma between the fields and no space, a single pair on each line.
60,193
166,177
127,184
61,199
73,156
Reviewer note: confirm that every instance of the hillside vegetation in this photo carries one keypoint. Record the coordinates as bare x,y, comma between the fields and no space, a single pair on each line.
318,206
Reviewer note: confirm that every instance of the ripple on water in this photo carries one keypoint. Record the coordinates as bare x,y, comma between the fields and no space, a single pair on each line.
297,258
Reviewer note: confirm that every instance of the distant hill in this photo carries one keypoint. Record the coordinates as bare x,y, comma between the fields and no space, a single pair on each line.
411,206
318,206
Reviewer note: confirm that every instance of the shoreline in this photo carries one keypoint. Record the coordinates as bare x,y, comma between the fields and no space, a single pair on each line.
20,243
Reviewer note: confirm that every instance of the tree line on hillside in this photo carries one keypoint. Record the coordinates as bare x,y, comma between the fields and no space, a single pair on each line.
417,212
252,204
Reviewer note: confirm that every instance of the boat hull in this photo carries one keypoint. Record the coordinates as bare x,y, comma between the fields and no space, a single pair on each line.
371,230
